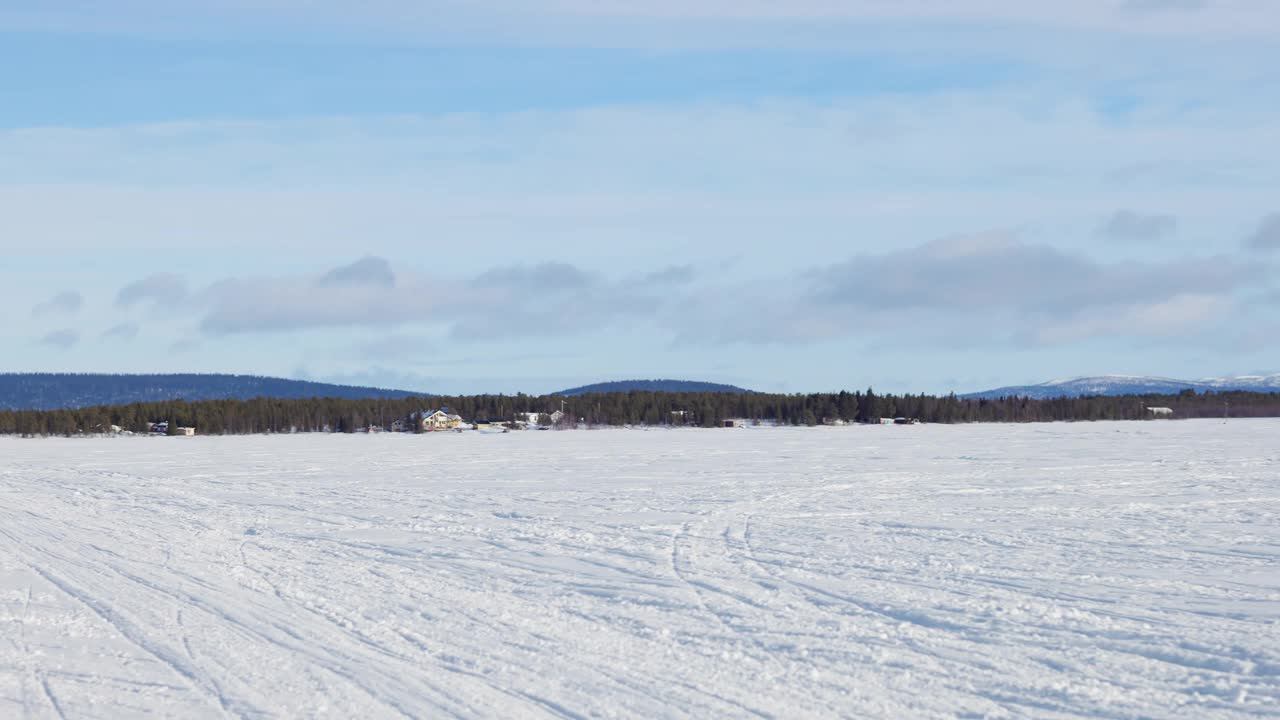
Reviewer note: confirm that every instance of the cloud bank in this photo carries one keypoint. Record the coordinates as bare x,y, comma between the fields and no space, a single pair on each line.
999,286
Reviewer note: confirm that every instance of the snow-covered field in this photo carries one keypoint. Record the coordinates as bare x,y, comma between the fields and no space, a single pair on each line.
1098,570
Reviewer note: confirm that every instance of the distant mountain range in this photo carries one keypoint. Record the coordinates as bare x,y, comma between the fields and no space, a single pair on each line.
49,391
672,386
54,391
1112,385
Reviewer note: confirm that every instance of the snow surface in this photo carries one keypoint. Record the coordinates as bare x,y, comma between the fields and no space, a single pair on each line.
1098,570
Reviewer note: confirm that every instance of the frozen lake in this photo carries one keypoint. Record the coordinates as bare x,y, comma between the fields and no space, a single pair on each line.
1087,570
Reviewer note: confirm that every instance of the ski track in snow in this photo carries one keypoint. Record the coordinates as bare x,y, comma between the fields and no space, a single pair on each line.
1108,570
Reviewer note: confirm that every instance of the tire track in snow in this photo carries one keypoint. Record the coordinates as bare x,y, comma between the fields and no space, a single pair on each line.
188,669
967,662
580,664
684,577
209,687
722,580
53,701
196,680
737,535
38,677
940,640
245,628
407,665
108,614
194,676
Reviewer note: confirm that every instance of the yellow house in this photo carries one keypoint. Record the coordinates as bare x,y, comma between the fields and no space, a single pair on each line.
438,420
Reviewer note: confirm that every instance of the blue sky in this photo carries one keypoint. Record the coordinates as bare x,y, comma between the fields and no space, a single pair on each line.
525,195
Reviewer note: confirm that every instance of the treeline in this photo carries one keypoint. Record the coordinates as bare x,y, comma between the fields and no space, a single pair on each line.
275,415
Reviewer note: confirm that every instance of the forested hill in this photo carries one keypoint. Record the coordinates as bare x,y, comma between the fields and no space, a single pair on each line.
50,391
667,386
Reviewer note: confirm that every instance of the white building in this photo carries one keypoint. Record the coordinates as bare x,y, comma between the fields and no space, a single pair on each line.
1160,411
535,418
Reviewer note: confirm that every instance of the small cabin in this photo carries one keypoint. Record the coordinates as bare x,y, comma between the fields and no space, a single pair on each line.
1160,411
185,431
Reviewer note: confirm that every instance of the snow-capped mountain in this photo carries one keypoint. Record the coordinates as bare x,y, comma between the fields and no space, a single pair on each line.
1131,385
1260,383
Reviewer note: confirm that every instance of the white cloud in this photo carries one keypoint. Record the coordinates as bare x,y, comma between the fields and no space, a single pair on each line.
61,339
183,347
66,302
367,272
540,278
1131,226
1166,15
581,20
1173,318
287,303
1267,235
122,331
161,289
976,140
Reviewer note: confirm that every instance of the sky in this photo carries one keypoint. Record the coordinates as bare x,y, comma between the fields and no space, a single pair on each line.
527,195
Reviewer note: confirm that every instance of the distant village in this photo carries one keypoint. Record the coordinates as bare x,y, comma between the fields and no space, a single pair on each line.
424,421
638,410
444,420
